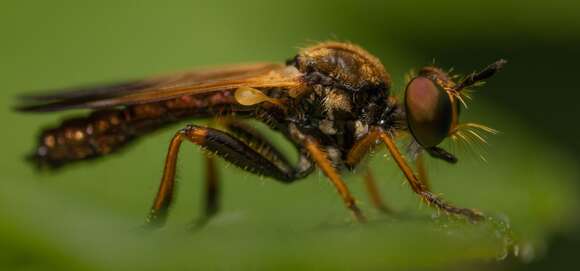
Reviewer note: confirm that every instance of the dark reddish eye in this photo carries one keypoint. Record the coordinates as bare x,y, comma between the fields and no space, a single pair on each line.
429,112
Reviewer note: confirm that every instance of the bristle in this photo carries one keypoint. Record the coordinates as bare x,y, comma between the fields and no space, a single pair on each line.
467,134
466,94
479,126
471,145
477,136
479,84
465,138
460,98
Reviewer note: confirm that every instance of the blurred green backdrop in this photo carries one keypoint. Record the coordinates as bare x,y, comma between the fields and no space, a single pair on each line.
87,217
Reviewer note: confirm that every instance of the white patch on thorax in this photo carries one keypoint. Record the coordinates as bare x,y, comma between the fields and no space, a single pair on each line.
360,129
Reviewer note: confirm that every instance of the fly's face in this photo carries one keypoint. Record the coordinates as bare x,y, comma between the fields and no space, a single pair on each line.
433,101
431,106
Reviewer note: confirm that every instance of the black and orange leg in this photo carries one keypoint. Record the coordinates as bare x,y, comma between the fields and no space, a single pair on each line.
420,188
158,213
221,144
258,142
253,139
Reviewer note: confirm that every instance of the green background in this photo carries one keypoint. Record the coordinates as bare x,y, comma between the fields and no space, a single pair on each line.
87,217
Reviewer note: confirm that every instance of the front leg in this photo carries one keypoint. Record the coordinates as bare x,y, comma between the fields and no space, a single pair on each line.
421,188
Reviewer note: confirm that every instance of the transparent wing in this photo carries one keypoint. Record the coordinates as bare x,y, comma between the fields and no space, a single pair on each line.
259,76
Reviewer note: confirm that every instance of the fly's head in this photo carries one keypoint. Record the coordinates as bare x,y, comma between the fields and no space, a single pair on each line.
433,102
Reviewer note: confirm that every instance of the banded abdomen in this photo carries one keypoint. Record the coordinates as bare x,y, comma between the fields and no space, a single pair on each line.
106,131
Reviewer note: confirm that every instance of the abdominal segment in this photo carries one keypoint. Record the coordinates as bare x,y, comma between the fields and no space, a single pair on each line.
106,131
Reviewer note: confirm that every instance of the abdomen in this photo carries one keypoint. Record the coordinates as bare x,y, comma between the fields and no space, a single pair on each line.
106,131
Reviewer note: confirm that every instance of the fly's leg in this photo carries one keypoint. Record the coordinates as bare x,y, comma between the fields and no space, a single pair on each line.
422,170
420,188
256,141
358,151
320,158
434,152
158,214
212,191
322,161
373,192
230,149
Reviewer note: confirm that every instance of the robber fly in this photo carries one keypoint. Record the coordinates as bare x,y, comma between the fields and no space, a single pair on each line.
332,101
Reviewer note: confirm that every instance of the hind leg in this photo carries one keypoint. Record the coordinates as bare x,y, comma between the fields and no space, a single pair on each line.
230,149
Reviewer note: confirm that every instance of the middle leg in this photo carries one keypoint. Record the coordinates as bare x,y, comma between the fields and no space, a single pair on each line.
356,154
373,192
211,192
321,159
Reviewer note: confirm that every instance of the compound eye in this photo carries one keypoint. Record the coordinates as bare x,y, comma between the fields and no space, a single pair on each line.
428,110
